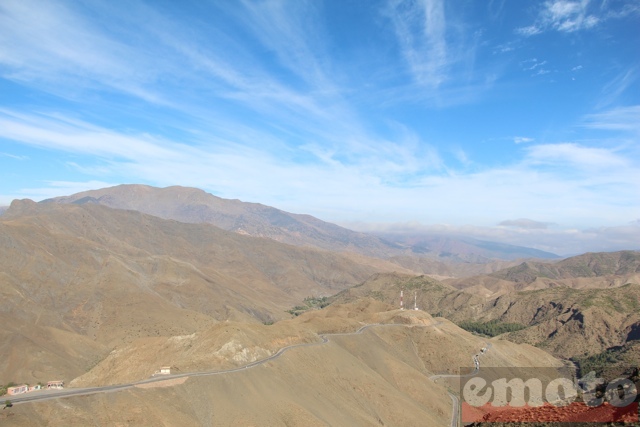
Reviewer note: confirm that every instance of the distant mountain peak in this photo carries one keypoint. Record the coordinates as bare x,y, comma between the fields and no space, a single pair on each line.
193,205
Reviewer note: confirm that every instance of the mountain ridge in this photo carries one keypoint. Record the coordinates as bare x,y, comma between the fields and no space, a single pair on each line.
194,205
589,270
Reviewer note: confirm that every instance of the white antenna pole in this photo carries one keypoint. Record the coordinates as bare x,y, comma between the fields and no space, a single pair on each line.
415,300
401,300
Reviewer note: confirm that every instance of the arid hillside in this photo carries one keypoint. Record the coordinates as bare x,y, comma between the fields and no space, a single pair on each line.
445,269
378,377
78,280
565,321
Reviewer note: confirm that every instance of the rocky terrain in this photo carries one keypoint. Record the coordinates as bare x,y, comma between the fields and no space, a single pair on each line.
590,270
565,321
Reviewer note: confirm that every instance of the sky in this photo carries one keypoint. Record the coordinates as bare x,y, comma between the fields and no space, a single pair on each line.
505,120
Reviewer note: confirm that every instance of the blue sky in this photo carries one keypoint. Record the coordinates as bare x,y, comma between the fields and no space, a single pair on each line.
507,120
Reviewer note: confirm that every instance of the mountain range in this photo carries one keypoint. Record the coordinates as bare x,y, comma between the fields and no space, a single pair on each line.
106,286
193,205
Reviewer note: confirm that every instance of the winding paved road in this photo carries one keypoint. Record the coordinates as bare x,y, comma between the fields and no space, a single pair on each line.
57,394
454,399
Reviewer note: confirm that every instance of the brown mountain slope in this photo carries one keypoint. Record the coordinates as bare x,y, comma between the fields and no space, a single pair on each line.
379,377
192,205
590,270
601,264
571,322
76,281
432,295
565,321
450,269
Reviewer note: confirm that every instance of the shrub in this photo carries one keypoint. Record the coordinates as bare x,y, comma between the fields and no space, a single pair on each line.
491,328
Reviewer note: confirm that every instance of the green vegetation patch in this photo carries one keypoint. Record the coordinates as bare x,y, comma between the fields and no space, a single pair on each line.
611,360
421,283
491,328
377,295
310,303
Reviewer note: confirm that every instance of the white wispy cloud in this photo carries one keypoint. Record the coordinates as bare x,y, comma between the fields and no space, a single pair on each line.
541,72
421,30
530,30
14,156
58,46
612,90
575,155
80,137
582,182
522,139
64,49
565,16
524,223
532,64
617,119
292,30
